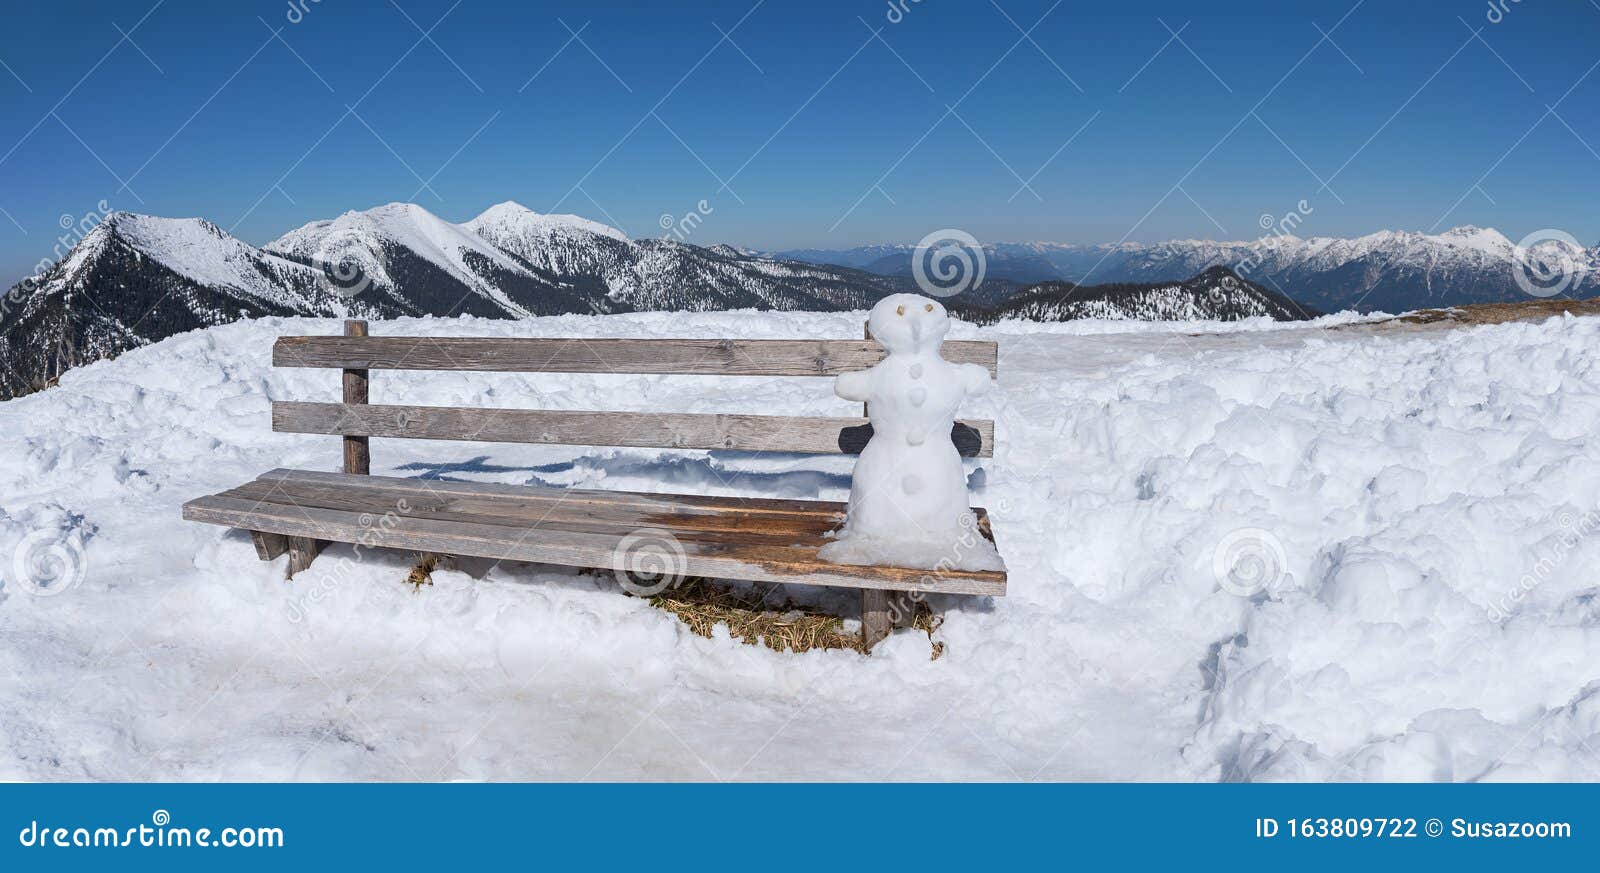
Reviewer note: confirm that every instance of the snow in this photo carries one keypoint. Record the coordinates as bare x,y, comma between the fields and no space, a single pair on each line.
354,237
196,249
908,502
512,217
1404,524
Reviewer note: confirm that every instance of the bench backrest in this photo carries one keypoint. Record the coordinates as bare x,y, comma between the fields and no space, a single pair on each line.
356,420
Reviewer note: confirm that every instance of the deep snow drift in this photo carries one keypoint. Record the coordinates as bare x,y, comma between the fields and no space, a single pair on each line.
1263,553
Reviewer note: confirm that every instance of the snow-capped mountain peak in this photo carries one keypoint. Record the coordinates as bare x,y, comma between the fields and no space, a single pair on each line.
367,241
512,216
193,248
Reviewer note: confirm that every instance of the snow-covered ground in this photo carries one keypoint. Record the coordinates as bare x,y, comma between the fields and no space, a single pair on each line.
1417,509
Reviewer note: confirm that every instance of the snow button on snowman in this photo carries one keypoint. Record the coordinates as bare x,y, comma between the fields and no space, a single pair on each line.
908,497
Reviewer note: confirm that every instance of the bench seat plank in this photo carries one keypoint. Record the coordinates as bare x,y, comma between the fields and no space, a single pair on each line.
706,357
760,540
658,430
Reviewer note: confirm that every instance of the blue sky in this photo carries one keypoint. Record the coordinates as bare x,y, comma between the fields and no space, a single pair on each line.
800,127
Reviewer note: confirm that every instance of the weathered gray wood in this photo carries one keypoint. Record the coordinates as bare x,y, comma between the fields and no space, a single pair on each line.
302,551
682,508
357,454
647,501
269,545
583,513
754,433
551,543
712,357
875,619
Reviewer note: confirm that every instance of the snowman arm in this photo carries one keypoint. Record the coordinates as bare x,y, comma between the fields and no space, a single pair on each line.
975,379
853,386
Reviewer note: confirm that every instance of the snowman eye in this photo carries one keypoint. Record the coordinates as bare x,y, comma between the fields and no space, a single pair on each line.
899,310
928,308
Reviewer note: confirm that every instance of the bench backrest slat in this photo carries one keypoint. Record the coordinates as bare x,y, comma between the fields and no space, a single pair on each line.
753,433
708,357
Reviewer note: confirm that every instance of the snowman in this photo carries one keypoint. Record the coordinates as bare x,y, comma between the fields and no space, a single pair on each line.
908,497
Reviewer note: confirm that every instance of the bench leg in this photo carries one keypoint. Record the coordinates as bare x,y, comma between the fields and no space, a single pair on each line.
302,551
269,545
876,620
882,612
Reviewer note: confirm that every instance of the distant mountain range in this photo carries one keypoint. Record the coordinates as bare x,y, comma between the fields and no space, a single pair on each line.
1390,271
134,279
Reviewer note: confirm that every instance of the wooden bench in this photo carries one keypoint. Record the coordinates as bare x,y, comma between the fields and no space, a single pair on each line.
755,539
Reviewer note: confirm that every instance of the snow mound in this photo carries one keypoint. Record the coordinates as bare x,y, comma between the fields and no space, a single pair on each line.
1235,552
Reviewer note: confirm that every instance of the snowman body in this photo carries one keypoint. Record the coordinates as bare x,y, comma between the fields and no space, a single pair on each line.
908,496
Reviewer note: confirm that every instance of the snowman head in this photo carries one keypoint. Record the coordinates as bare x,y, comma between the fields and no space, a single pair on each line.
908,323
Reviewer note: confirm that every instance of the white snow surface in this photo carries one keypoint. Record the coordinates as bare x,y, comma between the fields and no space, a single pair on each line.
1425,503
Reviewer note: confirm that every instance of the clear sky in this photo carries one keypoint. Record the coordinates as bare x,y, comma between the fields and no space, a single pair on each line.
819,123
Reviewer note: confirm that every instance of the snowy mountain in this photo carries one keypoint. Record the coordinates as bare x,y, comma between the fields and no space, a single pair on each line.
135,279
1392,271
661,275
1218,294
418,263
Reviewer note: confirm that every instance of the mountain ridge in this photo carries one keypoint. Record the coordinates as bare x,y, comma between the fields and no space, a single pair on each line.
134,279
1388,270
